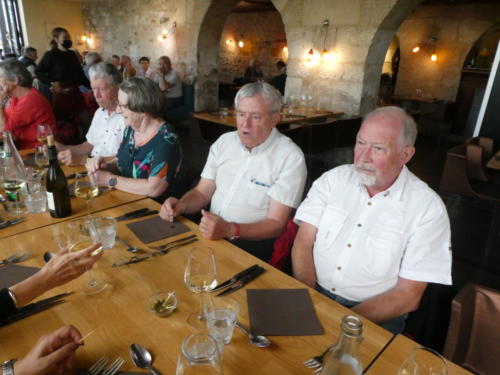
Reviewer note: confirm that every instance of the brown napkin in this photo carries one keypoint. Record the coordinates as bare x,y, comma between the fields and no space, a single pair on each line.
155,229
12,274
282,312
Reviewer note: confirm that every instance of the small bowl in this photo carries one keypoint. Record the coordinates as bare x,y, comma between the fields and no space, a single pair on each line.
162,304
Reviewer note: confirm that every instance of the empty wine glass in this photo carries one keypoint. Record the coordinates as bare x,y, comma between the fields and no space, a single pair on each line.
86,188
424,361
200,276
79,238
199,355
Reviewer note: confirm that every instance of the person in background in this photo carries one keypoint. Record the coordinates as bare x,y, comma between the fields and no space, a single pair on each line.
148,161
26,109
28,59
145,70
115,60
128,70
253,72
106,131
60,69
279,81
372,234
251,191
169,82
90,59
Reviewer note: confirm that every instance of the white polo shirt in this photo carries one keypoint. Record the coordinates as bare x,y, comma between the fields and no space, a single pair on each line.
105,133
363,244
174,79
247,180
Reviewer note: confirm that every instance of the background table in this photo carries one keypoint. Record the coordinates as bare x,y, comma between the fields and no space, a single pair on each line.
119,316
494,162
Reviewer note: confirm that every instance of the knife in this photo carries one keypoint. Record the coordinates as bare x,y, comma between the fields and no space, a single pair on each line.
242,282
132,213
235,278
8,223
136,216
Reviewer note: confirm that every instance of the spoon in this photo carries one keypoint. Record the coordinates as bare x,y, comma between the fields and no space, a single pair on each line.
255,340
142,358
132,249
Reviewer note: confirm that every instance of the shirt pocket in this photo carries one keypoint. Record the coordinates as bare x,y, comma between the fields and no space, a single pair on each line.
384,248
331,223
258,195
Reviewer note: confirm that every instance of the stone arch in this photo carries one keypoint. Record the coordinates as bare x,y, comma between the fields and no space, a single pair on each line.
209,35
376,52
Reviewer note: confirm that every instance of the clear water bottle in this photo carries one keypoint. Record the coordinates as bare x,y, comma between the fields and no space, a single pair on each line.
344,357
13,173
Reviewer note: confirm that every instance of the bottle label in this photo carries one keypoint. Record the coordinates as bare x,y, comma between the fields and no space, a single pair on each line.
50,200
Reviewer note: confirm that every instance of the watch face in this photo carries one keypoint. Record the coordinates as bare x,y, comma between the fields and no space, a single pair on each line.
112,181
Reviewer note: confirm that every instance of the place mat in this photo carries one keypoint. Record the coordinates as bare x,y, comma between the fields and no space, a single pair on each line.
12,274
155,229
282,312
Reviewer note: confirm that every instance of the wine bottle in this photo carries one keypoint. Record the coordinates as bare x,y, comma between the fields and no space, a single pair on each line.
57,186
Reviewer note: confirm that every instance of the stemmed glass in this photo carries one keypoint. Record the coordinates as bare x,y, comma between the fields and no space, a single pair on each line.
42,131
79,238
200,275
86,188
41,156
424,361
199,355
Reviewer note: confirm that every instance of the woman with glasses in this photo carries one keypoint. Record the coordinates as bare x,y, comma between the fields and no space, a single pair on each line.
149,158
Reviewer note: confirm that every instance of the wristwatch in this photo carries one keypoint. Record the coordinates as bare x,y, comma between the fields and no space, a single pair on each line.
112,182
8,367
237,230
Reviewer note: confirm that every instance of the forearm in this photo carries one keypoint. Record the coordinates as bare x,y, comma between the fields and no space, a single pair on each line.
29,289
2,120
303,264
193,201
82,149
151,187
391,304
261,230
164,85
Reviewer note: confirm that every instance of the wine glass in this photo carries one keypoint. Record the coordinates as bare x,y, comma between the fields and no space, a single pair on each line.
200,276
199,355
424,361
79,238
42,131
41,156
86,188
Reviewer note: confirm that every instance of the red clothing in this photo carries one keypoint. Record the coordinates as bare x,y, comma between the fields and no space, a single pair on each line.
23,115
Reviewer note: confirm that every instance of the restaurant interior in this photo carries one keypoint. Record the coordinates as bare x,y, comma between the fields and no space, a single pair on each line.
433,58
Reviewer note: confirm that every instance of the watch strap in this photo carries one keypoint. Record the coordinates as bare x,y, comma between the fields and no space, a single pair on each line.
8,367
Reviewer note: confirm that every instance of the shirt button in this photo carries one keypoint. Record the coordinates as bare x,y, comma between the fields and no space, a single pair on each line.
349,245
369,203
359,225
339,268
333,289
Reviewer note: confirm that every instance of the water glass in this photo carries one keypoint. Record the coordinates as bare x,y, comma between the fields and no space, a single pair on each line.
103,230
199,355
36,202
221,315
424,361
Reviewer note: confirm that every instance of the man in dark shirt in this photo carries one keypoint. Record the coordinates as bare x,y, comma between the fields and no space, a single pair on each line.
28,59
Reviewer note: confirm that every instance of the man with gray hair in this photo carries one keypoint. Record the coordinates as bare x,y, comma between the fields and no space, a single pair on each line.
106,131
372,235
253,178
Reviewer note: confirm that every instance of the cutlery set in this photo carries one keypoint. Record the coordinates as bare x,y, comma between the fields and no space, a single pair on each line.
239,280
136,214
98,367
17,257
8,223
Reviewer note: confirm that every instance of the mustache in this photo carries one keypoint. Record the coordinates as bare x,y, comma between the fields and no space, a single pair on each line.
363,167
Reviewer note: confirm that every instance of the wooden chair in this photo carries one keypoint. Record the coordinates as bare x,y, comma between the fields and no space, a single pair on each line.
473,339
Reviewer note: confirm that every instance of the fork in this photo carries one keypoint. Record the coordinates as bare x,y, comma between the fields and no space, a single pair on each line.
114,367
17,257
96,368
9,258
166,245
317,361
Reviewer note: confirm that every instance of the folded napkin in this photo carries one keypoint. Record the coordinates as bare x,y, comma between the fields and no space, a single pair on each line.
155,229
12,274
282,312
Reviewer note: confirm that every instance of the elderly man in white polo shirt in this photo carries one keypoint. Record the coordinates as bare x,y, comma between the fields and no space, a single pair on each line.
253,177
106,131
372,235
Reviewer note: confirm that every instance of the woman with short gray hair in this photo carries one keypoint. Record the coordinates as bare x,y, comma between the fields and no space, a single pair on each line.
149,158
26,107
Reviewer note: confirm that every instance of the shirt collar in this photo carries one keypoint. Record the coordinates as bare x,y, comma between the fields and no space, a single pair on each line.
263,146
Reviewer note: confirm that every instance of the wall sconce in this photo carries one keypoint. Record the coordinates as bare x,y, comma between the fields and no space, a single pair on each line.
241,43
229,41
310,55
166,33
430,45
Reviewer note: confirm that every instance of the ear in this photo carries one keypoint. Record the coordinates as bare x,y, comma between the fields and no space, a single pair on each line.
276,118
407,153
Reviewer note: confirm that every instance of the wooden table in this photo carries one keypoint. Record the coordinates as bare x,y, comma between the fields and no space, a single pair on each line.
105,200
494,162
119,316
395,354
294,115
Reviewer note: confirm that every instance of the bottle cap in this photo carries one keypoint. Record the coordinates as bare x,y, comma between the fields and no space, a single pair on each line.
50,140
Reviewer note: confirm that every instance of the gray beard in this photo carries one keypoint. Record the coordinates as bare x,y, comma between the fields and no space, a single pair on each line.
366,179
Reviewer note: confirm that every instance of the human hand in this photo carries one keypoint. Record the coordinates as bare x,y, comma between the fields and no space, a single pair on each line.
213,227
68,157
171,208
94,164
66,266
56,87
101,177
52,353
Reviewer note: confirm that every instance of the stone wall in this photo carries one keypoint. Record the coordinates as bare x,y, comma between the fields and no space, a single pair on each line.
457,28
264,38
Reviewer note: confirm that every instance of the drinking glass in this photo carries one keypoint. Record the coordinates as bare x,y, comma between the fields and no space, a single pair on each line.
86,188
424,361
42,156
199,355
79,234
14,184
221,315
103,230
42,131
200,275
36,202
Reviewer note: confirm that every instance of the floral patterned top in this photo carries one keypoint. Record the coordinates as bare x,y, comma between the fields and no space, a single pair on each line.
158,156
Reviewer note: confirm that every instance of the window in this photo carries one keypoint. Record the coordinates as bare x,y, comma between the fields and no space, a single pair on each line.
10,28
